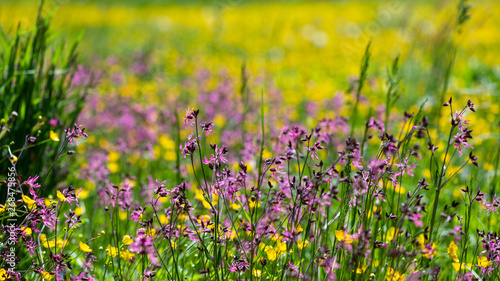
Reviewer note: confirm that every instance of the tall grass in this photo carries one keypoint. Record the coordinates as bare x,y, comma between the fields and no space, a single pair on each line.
36,87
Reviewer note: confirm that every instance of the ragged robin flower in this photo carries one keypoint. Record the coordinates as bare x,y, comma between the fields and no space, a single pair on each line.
72,135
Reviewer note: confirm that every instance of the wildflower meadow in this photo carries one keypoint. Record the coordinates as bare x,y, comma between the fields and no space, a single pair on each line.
249,140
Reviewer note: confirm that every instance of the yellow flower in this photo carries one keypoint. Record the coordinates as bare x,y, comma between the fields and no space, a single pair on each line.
275,237
483,262
61,243
46,275
163,219
85,248
452,251
182,217
61,196
13,159
253,204
281,249
113,156
456,266
205,219
302,244
26,230
299,229
400,189
127,240
232,234
48,201
394,275
30,202
4,275
122,215
82,193
266,154
79,211
112,251
49,244
113,167
421,241
342,236
165,142
199,195
257,273
361,269
220,120
2,208
152,232
271,253
54,136
430,252
390,234
127,255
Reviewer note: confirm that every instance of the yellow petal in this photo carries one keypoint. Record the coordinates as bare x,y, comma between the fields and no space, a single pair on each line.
390,233
349,239
13,158
49,244
257,273
54,136
339,234
299,228
79,211
452,251
281,246
271,253
60,196
61,243
4,275
456,266
85,248
421,241
302,244
127,240
113,167
113,156
127,255
26,230
112,251
483,262
46,275
30,202
361,269
152,232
